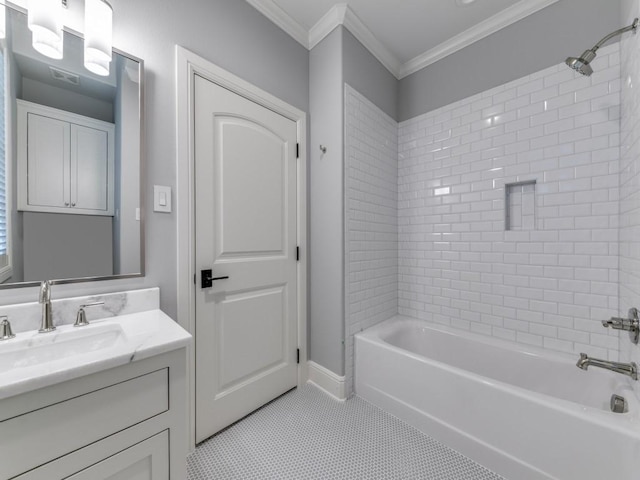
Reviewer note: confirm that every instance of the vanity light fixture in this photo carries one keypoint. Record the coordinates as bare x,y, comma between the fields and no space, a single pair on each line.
98,27
45,20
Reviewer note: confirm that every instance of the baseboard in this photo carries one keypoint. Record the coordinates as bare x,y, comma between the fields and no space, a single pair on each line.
328,381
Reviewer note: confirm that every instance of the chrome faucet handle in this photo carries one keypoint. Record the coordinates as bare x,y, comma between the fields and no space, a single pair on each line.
5,329
631,324
614,322
81,317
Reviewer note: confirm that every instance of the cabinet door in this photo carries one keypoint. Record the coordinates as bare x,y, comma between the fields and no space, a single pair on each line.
47,161
148,460
89,168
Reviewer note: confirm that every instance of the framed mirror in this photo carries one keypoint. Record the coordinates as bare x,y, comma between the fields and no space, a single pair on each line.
71,199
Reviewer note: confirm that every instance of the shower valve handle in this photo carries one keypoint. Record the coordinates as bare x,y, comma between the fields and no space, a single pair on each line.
631,324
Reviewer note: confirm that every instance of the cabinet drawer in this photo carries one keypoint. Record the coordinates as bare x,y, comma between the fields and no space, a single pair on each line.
35,438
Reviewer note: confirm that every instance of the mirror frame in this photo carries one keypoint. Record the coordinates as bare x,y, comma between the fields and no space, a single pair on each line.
142,192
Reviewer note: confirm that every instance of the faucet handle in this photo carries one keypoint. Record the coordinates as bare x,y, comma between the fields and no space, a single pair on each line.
5,329
630,324
81,318
614,322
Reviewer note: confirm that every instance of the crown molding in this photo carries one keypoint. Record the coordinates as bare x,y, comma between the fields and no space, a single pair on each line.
341,14
507,17
283,20
371,43
334,17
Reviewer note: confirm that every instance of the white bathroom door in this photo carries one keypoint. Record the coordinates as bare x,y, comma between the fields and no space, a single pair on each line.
245,213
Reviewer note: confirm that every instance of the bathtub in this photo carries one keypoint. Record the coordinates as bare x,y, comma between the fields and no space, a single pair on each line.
522,412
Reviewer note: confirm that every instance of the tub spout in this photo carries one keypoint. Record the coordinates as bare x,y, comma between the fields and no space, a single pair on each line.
630,369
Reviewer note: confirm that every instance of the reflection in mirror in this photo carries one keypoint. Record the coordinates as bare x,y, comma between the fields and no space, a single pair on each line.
70,144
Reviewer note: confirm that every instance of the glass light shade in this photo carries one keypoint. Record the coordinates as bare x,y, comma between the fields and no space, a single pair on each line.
44,19
3,21
47,44
97,65
98,28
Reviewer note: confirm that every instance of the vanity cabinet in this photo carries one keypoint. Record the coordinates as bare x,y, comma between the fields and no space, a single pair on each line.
126,423
65,162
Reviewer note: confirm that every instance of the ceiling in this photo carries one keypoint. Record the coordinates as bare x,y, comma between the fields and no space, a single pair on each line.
405,35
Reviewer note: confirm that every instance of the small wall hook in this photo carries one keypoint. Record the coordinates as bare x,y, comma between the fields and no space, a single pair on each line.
323,149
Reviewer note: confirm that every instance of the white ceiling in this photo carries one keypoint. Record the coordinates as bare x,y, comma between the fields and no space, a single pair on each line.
405,35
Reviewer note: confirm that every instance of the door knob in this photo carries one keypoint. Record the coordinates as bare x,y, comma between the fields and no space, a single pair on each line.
207,279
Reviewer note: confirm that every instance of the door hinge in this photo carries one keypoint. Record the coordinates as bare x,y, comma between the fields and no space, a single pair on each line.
297,150
297,254
298,356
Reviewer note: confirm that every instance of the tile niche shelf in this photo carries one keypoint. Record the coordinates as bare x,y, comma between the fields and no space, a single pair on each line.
520,206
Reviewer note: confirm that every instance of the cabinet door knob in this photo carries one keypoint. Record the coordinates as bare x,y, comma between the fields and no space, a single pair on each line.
73,204
66,204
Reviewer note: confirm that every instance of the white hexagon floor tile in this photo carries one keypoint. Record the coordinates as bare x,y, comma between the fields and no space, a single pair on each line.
307,435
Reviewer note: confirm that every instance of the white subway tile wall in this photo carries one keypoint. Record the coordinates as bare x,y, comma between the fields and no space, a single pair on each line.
630,187
548,283
371,219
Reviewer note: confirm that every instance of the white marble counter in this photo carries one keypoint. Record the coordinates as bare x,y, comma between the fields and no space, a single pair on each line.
25,317
33,360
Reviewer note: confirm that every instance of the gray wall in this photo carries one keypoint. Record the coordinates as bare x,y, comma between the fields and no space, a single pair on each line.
63,99
231,34
327,204
541,40
368,76
340,58
66,246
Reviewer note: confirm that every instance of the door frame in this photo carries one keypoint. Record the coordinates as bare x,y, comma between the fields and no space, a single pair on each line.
188,64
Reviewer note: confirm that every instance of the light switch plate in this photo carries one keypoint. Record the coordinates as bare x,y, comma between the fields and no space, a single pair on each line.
161,199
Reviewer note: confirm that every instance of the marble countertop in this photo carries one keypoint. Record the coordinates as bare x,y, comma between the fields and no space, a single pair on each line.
33,360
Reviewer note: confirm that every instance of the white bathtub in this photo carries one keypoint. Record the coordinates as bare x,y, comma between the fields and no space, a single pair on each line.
524,413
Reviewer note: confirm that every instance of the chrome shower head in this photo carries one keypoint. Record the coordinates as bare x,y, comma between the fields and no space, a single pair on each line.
581,64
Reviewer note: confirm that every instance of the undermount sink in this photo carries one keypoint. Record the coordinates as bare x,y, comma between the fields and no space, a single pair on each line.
65,342
35,360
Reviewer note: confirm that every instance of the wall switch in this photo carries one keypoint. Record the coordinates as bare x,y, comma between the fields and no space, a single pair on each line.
161,199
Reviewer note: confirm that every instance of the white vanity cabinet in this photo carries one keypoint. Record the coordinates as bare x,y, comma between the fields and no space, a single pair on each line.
65,162
125,423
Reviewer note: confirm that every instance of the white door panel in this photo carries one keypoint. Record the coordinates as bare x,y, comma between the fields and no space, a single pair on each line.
252,160
245,187
251,324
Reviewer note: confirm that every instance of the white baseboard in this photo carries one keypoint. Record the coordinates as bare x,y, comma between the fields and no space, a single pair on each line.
328,381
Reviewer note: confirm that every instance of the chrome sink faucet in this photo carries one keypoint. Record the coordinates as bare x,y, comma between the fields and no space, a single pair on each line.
45,299
630,369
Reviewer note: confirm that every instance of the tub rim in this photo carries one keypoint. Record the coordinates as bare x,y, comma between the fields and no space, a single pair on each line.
627,423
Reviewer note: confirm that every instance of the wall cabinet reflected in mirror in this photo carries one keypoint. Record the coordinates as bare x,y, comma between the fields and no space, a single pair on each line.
70,163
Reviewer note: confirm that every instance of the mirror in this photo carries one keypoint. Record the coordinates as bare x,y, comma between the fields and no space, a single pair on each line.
70,164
